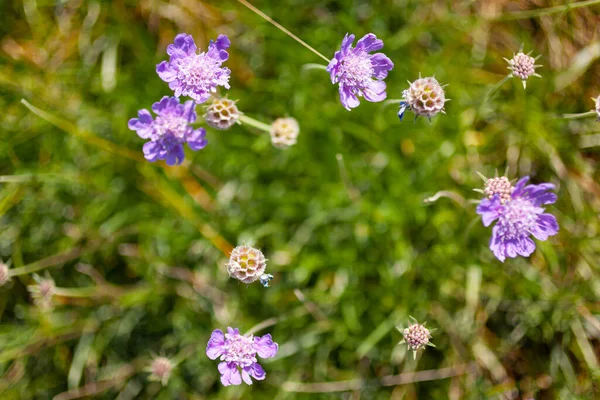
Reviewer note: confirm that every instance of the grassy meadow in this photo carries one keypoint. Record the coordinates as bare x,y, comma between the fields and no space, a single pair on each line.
365,221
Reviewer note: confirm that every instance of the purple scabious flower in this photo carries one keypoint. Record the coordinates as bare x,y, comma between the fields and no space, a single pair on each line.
358,72
239,352
169,130
195,75
518,218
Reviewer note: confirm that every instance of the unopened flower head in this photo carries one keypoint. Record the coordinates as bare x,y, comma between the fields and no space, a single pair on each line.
248,264
160,370
425,97
222,114
523,66
238,353
500,186
4,274
597,100
519,217
358,72
416,336
195,75
43,292
284,132
169,130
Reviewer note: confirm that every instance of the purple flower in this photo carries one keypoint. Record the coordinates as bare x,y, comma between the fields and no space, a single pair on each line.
519,218
354,69
169,130
195,75
239,352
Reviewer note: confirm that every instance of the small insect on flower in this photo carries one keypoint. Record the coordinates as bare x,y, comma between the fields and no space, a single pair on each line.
222,114
248,264
238,352
523,66
358,72
416,336
519,214
169,130
195,75
284,132
43,292
160,370
425,97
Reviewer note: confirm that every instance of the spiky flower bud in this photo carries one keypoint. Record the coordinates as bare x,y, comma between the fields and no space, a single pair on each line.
43,292
523,66
598,107
248,264
500,186
284,132
425,97
222,114
4,274
416,336
160,370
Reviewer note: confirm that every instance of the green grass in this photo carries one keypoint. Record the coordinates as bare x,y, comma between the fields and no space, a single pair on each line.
138,250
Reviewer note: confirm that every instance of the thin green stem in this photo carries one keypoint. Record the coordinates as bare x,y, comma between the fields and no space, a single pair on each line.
545,11
490,93
76,292
278,26
577,116
310,66
244,119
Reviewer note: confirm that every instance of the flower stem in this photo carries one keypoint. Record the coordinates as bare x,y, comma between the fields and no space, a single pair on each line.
290,34
577,116
244,119
490,93
546,11
306,67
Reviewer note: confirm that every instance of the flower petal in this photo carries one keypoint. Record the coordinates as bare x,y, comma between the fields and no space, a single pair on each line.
546,227
166,71
489,210
175,155
375,92
153,151
265,346
256,371
196,139
369,43
182,46
381,65
497,245
348,99
214,347
230,375
519,187
346,44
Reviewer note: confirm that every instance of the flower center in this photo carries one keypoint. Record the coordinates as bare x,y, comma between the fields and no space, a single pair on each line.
197,70
500,186
416,336
518,218
356,69
173,125
239,349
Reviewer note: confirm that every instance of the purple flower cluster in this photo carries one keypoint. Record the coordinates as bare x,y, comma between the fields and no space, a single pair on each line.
195,75
358,72
169,130
518,218
189,74
238,353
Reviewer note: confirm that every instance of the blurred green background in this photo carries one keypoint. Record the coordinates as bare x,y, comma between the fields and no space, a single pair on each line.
137,250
